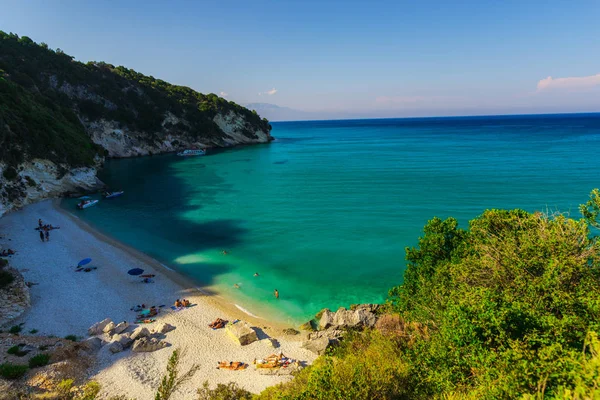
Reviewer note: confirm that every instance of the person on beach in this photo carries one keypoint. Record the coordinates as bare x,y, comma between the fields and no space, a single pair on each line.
47,235
276,293
40,222
42,235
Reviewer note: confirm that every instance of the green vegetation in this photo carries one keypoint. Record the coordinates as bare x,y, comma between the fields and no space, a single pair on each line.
508,308
173,378
230,391
33,331
6,278
39,360
15,329
16,351
12,371
45,94
72,338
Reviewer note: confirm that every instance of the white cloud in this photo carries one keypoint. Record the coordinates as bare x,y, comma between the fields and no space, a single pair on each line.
268,92
223,94
570,83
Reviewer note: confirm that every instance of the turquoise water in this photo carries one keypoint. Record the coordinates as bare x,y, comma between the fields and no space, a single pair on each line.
324,213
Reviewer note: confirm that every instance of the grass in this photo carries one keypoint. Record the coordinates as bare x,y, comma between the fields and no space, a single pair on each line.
16,351
12,371
39,360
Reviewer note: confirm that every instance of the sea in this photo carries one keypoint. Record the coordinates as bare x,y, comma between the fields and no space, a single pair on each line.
324,213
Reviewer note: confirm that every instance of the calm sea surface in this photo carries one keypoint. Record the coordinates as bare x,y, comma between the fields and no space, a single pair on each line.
324,213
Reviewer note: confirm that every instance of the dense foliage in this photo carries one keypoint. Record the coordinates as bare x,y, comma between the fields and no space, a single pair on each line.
511,307
45,94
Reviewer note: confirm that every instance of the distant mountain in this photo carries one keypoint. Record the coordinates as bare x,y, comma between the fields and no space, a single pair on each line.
274,112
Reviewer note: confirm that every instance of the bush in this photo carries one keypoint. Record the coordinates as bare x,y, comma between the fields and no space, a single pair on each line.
3,262
16,351
33,331
9,173
39,360
72,338
230,391
6,278
12,371
15,329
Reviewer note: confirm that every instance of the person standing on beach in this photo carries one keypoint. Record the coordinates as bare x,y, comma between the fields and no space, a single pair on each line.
47,235
276,293
42,235
40,222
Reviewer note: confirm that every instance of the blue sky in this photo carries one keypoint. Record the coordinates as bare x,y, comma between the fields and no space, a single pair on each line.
355,59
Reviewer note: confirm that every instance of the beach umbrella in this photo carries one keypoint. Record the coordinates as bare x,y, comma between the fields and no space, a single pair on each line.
135,271
84,262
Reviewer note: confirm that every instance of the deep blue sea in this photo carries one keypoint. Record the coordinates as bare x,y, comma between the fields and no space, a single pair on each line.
325,212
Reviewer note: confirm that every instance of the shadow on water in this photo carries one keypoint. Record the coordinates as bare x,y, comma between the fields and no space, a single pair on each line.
156,214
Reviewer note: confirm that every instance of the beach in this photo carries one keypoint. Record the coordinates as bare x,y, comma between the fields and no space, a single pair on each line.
65,302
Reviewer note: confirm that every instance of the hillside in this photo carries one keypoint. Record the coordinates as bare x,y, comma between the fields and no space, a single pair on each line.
59,118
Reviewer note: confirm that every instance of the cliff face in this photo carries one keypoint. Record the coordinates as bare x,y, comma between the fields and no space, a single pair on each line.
60,118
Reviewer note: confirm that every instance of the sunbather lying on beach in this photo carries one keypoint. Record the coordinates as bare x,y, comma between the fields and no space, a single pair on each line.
217,323
6,253
232,365
138,307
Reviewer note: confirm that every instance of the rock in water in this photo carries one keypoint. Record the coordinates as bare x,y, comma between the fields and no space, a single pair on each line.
148,344
242,333
98,327
140,332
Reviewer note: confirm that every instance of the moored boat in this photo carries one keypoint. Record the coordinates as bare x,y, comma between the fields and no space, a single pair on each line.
191,152
86,204
110,195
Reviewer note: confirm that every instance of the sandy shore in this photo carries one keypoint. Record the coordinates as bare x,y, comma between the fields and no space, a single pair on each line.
67,303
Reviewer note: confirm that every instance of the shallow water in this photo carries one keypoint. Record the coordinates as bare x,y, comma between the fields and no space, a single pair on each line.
324,213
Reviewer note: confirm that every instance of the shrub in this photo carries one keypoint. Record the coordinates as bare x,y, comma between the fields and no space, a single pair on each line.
39,360
10,173
3,262
16,351
33,331
6,278
12,371
72,338
230,391
90,391
15,329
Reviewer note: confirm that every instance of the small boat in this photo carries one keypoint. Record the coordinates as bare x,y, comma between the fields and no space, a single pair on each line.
191,152
86,204
110,195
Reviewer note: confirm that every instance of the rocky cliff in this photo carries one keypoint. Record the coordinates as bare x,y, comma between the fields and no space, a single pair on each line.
60,118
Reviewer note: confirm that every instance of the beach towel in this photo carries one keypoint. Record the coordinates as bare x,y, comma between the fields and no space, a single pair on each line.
145,321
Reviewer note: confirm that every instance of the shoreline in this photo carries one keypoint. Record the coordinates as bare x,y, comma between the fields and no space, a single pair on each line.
65,302
218,300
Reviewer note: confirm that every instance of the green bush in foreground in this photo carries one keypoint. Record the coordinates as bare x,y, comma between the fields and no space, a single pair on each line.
12,371
6,278
15,329
39,360
16,351
230,391
72,338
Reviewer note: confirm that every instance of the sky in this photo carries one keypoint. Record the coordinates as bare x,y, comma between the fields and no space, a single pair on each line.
342,58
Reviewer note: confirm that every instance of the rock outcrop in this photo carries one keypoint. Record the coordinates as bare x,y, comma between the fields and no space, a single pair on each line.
148,344
14,298
333,325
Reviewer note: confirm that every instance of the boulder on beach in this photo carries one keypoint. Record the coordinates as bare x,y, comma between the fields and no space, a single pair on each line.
124,339
120,327
115,347
319,342
139,332
109,327
146,344
91,344
98,327
242,333
163,327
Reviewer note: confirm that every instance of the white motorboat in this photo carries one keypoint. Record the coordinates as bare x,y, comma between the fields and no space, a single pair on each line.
86,204
191,152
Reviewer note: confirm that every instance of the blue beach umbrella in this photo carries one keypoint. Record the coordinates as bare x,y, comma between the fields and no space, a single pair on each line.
135,271
84,262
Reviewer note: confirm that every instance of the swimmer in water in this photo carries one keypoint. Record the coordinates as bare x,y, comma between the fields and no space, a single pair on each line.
276,293
235,285
224,252
256,274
